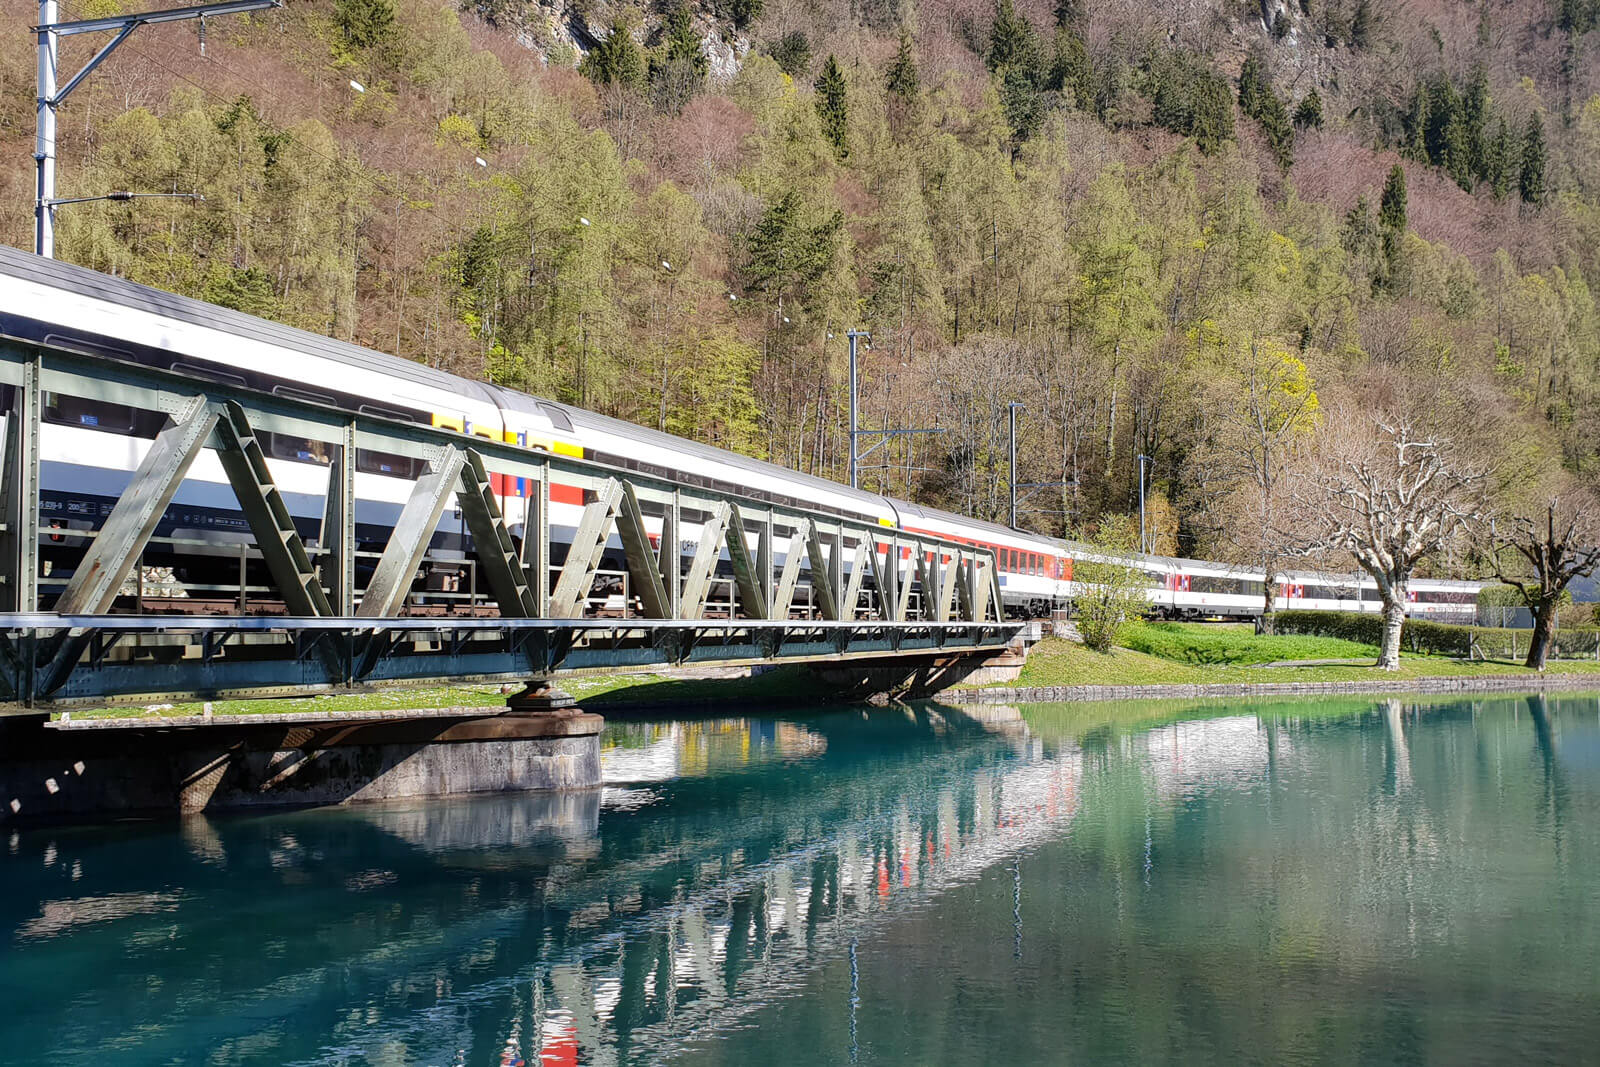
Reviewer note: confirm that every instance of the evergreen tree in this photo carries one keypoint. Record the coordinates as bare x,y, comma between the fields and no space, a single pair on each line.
1415,146
1475,109
1457,160
833,108
1258,101
1072,71
1444,107
1577,17
683,44
1361,25
792,53
1359,234
901,78
1070,14
678,68
1252,84
1392,206
1189,98
364,23
1274,119
1019,96
1011,40
1498,162
1392,226
1530,179
744,12
615,60
1309,114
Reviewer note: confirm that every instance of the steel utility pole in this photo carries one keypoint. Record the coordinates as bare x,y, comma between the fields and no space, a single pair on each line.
50,97
884,436
1011,482
1143,459
854,333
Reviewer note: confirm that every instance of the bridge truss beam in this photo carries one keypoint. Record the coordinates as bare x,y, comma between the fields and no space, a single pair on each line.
652,571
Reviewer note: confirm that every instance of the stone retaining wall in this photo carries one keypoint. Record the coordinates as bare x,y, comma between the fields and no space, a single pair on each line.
1494,683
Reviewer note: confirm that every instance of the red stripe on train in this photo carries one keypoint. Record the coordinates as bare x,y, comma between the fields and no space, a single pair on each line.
566,494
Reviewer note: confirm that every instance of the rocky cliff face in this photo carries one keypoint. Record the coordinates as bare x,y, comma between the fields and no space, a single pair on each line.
564,31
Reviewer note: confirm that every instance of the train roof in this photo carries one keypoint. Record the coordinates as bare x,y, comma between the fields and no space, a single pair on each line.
119,291
84,281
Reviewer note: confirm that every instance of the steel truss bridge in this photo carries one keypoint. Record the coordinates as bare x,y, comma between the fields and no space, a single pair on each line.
329,612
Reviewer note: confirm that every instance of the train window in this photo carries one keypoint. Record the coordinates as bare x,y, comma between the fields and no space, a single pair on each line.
65,410
298,449
301,449
385,463
556,416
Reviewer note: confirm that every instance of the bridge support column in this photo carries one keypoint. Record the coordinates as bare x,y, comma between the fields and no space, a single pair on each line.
99,768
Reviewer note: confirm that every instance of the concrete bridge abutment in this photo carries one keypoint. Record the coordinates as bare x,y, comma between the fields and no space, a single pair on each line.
104,767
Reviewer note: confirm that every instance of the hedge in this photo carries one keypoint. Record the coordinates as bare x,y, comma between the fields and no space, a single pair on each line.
1435,638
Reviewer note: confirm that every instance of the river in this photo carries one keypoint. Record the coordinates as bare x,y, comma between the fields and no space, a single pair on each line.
1385,881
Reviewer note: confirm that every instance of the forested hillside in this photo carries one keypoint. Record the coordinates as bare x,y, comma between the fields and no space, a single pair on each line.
1133,217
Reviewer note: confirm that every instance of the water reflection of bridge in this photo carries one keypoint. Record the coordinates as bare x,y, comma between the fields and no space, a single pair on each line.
737,858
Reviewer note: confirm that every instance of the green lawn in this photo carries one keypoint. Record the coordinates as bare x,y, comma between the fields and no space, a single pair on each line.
1195,653
1240,645
1154,654
598,692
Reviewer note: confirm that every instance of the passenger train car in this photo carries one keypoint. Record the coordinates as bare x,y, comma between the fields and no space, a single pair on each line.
90,447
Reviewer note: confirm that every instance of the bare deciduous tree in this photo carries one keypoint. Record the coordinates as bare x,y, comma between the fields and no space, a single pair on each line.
1389,491
1538,549
1263,416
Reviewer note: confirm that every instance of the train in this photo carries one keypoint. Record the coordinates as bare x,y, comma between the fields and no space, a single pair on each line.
90,447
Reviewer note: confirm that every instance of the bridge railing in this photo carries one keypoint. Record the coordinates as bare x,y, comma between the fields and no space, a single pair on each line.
643,549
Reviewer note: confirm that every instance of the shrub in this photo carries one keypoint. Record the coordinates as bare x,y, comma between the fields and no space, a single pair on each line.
1110,592
1433,638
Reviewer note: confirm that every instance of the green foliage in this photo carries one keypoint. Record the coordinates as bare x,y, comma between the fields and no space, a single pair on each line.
615,60
833,107
1535,160
1072,70
1110,593
247,289
900,79
1577,17
998,243
1189,98
364,23
1308,115
1392,227
787,257
744,12
1427,638
1012,41
792,52
682,43
1499,596
1392,208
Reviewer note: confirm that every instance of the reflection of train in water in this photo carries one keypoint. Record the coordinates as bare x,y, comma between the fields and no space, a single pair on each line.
91,445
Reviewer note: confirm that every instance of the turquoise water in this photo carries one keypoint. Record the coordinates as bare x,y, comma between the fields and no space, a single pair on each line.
1384,882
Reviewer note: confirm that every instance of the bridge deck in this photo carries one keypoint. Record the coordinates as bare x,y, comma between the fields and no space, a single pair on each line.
63,661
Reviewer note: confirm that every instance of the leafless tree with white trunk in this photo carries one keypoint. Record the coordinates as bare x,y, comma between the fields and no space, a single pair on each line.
1390,490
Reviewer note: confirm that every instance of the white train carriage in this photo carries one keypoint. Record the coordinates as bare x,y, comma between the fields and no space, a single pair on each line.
91,446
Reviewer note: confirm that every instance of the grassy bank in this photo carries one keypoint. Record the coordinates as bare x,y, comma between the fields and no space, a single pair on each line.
1151,654
1198,654
605,693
